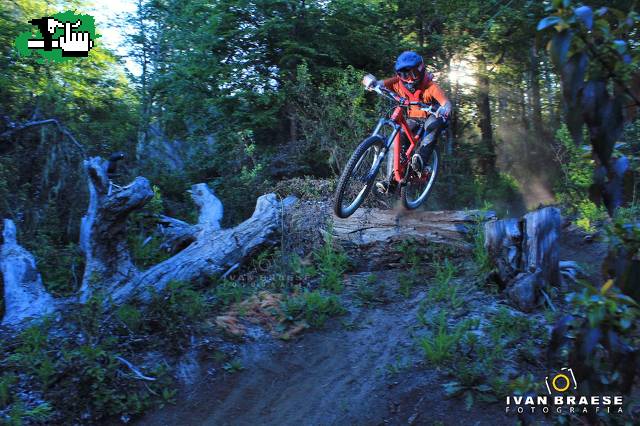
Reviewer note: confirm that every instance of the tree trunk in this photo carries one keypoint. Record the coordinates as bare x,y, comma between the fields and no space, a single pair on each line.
487,156
534,91
24,294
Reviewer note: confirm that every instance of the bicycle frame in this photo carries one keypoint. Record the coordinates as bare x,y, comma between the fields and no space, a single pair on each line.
397,122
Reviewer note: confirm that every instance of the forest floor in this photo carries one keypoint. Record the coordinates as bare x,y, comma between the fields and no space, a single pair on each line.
367,367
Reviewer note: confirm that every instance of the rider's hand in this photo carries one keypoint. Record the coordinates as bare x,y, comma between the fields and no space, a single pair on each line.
444,111
369,81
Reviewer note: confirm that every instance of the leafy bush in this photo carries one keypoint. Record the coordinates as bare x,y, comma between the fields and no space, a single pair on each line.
176,313
600,339
80,377
623,260
333,118
576,165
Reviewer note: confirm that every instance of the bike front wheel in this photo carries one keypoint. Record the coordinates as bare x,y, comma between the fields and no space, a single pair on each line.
417,188
358,176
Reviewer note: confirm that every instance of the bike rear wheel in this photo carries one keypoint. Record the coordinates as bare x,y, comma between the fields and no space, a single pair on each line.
358,176
417,188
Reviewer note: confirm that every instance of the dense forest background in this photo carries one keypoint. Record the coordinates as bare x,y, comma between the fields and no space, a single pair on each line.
258,96
244,94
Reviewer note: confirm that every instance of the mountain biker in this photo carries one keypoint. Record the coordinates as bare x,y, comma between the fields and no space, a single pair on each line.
414,83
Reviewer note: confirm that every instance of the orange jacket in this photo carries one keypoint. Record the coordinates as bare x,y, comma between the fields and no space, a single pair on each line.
427,92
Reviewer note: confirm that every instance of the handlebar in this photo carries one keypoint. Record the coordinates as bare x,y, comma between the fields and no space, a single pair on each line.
404,102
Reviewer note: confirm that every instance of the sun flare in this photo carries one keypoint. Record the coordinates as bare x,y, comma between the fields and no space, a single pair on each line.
462,72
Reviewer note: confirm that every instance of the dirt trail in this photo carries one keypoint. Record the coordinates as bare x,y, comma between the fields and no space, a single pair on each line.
363,369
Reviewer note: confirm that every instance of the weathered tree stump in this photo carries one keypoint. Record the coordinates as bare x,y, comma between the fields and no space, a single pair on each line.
24,295
103,234
503,242
525,254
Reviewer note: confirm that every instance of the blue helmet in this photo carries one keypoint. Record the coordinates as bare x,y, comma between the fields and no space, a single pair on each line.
410,69
408,59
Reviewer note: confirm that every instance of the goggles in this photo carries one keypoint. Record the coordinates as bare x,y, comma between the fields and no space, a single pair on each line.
411,74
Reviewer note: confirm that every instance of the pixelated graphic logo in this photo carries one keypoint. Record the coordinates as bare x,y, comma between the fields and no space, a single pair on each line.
561,381
60,37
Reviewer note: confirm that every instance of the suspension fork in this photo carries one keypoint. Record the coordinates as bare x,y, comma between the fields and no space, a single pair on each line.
387,143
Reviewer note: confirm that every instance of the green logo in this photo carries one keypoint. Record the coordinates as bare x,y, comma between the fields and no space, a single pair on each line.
59,37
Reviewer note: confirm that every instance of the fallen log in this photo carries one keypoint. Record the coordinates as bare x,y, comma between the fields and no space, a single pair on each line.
24,294
213,252
372,237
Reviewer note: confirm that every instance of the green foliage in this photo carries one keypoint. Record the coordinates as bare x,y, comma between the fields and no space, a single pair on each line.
439,347
573,191
370,291
331,264
314,307
131,318
411,262
6,380
233,366
623,260
481,256
599,340
176,313
18,415
341,116
89,377
508,327
593,52
230,292
144,243
442,289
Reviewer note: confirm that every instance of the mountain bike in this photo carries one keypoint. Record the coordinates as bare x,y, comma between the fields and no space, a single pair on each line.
359,175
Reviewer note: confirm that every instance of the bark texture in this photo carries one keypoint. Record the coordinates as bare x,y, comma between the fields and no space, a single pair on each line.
103,235
372,237
525,254
201,250
24,294
213,251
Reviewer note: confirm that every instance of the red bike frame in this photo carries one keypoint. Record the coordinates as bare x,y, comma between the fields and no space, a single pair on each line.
398,117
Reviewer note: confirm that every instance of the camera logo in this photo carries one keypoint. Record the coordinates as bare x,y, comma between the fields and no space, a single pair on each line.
561,381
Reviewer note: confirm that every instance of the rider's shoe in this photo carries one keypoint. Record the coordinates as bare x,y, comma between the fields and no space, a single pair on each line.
417,164
386,187
382,186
